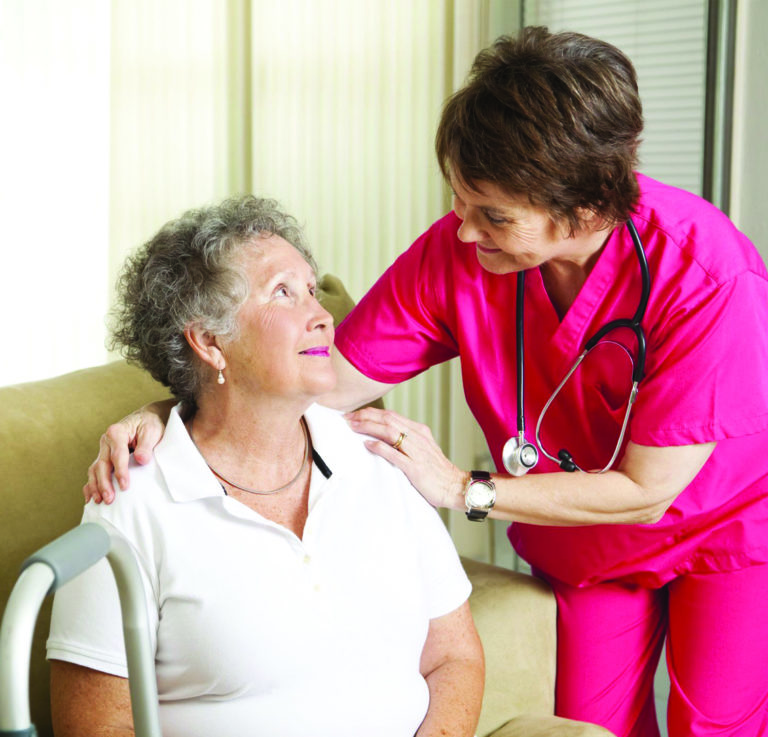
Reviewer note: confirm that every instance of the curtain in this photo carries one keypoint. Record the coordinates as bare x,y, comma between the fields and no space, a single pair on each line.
345,104
117,117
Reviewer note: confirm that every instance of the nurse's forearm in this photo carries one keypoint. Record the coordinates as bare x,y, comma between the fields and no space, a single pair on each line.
639,492
569,499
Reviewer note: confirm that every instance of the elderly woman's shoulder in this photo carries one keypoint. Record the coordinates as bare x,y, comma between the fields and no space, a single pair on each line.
344,450
145,491
330,431
338,444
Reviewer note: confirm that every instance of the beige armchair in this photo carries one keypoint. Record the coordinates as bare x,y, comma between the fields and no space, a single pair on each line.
49,434
515,615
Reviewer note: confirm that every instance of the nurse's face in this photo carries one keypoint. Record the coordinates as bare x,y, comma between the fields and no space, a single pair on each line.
508,232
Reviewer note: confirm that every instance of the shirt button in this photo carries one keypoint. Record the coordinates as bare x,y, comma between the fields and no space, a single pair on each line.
307,559
316,588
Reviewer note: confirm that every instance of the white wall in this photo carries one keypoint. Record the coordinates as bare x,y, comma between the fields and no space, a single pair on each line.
116,117
54,185
750,139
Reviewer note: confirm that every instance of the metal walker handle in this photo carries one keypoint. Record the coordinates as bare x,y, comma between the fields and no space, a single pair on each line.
42,574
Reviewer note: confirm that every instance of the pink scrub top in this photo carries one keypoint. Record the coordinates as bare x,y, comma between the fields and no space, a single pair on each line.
706,376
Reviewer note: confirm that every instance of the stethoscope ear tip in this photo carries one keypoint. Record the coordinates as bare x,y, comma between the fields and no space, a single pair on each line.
566,460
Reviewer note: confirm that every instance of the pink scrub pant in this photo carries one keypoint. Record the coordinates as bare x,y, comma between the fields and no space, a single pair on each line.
610,637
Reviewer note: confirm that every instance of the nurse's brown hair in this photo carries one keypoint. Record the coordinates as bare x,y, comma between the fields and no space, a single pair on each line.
555,117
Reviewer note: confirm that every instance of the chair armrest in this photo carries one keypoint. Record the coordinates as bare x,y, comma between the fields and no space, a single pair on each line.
549,726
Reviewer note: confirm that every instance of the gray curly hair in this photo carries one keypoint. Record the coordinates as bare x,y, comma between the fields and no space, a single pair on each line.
190,273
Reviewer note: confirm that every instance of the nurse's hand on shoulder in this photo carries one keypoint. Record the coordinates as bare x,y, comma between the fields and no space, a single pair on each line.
139,432
410,446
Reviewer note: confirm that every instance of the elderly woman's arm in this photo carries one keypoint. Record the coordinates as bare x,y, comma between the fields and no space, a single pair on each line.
87,703
640,491
453,665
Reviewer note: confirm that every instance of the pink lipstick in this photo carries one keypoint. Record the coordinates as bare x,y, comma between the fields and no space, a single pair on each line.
320,350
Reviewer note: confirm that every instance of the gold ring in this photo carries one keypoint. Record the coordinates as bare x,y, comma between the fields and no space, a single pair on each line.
396,445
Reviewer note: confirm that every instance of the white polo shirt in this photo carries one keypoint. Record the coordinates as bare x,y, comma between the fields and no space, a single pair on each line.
258,632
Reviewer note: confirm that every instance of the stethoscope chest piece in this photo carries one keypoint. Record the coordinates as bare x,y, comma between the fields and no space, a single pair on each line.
519,456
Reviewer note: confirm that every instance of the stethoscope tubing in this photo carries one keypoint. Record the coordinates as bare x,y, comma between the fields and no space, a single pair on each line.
635,323
564,459
520,352
569,458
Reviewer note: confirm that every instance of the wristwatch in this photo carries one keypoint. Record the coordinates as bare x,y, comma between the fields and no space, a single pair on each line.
479,496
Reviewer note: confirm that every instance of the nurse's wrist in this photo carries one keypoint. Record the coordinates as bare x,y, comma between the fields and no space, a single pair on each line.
456,500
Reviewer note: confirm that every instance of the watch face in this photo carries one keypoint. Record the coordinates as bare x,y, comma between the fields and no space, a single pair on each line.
480,495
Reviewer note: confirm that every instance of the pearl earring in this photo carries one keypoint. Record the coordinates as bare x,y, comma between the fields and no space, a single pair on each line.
220,379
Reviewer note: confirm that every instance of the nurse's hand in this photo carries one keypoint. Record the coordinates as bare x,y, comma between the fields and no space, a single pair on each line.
139,432
410,446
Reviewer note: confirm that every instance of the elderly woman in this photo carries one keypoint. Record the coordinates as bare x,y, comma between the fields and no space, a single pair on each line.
298,585
669,302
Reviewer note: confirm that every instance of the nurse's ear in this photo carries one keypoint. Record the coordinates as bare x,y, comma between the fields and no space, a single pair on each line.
591,220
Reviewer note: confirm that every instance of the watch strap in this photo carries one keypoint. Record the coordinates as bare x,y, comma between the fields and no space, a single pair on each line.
477,515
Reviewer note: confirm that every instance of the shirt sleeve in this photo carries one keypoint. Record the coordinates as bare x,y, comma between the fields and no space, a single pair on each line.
86,623
446,584
399,328
708,369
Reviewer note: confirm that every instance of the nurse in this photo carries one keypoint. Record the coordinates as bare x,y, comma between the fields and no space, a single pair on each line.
670,544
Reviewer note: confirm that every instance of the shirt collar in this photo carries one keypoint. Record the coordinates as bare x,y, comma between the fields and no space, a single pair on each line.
188,477
339,447
184,469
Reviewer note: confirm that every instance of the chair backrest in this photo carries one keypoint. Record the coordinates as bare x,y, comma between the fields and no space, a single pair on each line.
49,433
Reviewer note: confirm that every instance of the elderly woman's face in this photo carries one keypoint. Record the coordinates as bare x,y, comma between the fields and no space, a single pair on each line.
286,336
509,233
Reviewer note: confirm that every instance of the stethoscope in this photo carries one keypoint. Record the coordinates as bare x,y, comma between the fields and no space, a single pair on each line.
520,456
